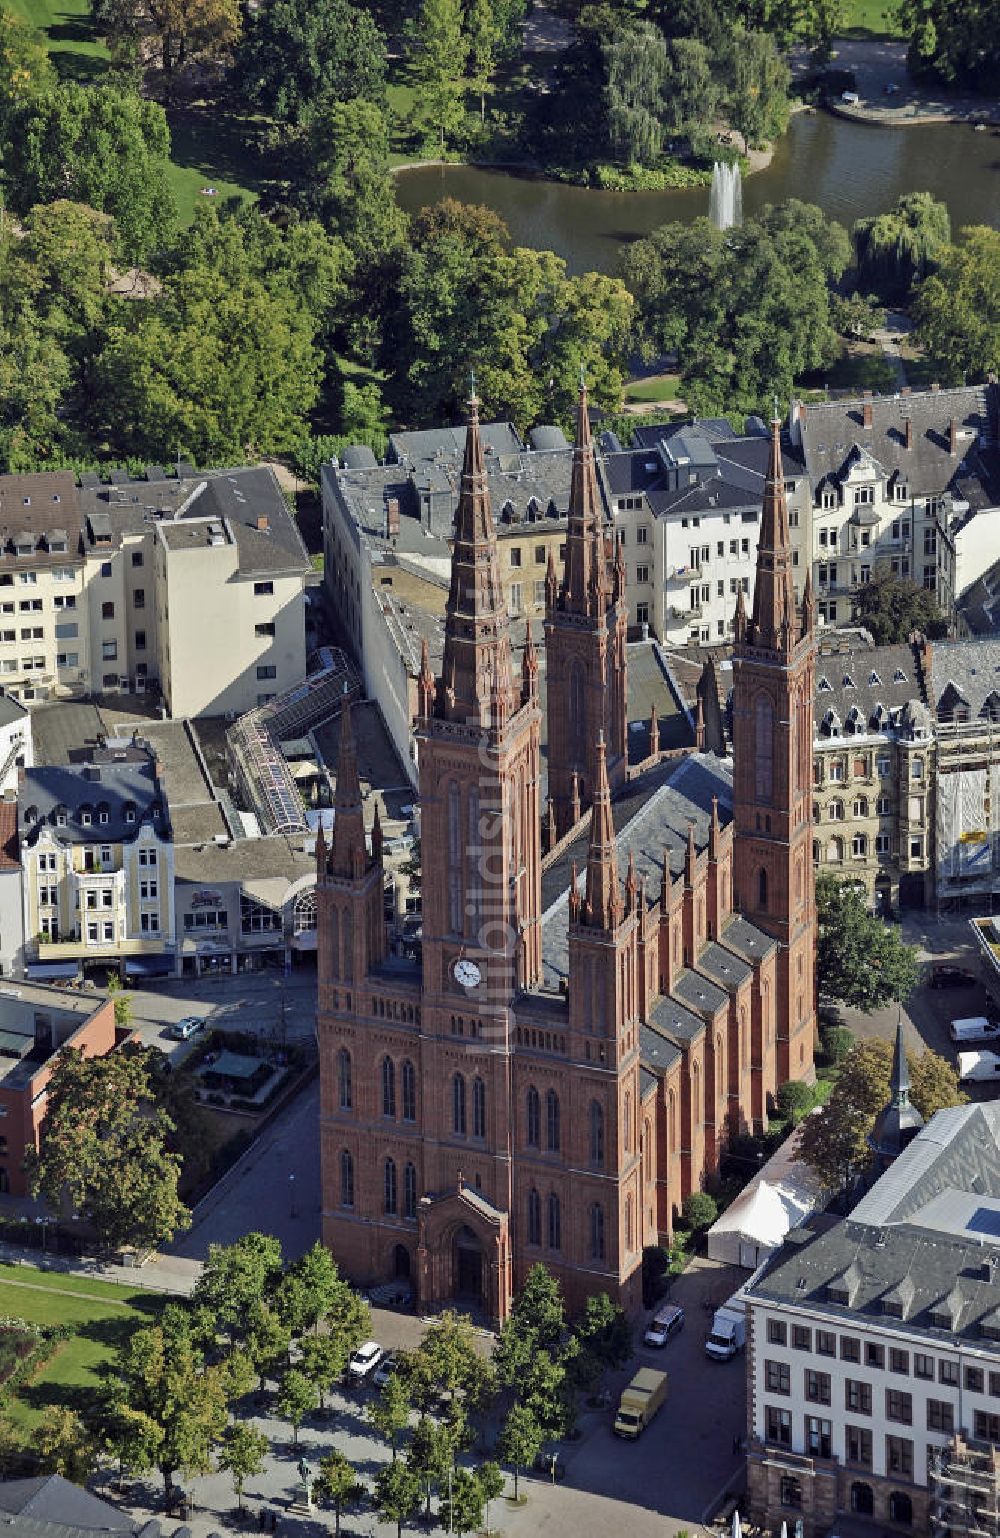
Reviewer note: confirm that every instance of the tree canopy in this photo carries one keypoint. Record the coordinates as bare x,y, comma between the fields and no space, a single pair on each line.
957,308
861,959
954,41
834,1139
897,249
300,58
892,608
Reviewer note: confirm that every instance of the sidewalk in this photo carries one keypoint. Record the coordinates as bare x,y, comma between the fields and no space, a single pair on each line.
175,1274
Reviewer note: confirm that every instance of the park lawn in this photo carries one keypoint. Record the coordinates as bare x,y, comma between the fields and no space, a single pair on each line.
100,1322
656,387
868,19
68,27
207,150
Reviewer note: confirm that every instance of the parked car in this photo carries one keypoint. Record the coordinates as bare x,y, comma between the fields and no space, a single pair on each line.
364,1361
384,1371
185,1029
976,1067
977,1028
665,1323
944,974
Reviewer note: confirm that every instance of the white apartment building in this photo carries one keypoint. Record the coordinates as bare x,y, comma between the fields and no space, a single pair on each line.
903,483
97,862
875,1343
43,627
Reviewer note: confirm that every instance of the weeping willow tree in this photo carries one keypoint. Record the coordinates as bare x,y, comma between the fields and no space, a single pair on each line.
637,71
896,250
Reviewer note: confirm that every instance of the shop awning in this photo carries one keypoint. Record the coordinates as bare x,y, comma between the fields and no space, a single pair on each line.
52,971
149,966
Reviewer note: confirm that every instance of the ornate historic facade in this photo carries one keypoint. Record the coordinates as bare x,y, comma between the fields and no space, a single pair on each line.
584,1033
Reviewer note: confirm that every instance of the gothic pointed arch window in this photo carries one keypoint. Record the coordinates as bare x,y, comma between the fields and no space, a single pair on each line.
478,1107
672,1121
388,1087
389,1188
597,1232
345,1090
346,1178
720,1082
458,1122
534,1217
627,1122
597,1134
334,942
553,1119
647,1151
576,713
453,801
628,1225
348,967
474,863
409,1084
763,737
555,1222
696,1095
410,1191
762,890
534,1118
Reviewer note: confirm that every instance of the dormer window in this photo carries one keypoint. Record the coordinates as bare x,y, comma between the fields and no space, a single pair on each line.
86,817
62,817
31,815
824,685
129,812
27,501
873,680
103,813
899,677
848,682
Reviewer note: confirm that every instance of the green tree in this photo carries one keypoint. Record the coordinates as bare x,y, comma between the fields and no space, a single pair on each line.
188,31
237,1280
482,35
122,1001
447,1363
491,1484
323,1359
896,250
242,1455
167,1406
690,91
267,1341
892,608
104,1150
699,1210
462,1504
795,1100
604,1337
954,41
438,68
100,146
520,1440
298,58
338,1483
856,315
834,1140
758,79
429,1455
957,308
390,1413
397,1494
637,74
860,959
296,1397
675,277
347,179
65,1444
26,74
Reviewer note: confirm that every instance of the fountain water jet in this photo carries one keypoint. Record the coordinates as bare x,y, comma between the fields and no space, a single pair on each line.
725,204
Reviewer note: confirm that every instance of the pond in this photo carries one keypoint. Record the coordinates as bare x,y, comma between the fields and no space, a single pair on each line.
849,169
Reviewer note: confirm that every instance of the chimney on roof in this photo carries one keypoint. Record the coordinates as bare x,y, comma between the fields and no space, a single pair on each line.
392,517
909,432
262,523
935,387
866,409
953,436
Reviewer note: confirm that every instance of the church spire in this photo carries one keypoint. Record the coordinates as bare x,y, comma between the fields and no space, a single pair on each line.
529,670
477,664
604,903
774,594
349,855
584,580
808,605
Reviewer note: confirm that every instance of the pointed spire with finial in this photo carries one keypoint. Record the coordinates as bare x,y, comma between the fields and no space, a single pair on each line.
574,894
631,884
552,837
740,617
643,908
320,851
604,903
551,583
654,732
665,880
425,683
349,821
583,575
808,605
774,593
529,670
690,857
574,800
699,724
714,830
478,664
377,840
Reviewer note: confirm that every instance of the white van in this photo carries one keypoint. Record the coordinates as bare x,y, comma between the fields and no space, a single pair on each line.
977,1028
974,1067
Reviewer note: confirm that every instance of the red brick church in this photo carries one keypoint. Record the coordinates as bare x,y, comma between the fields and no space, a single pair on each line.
586,1030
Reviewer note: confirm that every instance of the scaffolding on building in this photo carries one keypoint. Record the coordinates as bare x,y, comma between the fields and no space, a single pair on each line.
968,812
964,1486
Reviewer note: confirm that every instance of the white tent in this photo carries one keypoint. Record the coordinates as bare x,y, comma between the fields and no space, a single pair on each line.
780,1197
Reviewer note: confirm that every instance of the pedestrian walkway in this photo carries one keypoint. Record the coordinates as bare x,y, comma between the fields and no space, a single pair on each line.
160,1273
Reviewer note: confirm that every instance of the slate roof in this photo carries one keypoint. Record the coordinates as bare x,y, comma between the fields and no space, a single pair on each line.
243,859
654,812
831,429
11,710
723,967
116,786
730,471
426,443
853,680
972,668
51,1499
10,854
926,1236
746,940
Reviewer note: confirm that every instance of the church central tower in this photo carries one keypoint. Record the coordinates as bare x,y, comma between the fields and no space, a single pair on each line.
773,677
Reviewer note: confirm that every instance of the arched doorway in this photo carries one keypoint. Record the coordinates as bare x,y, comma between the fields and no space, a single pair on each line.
862,1499
401,1263
468,1264
900,1508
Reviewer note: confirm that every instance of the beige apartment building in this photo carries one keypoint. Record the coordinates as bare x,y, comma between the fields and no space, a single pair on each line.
873,770
97,861
190,585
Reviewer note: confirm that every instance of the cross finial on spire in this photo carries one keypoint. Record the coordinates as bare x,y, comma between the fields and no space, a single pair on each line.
472,385
583,377
776,417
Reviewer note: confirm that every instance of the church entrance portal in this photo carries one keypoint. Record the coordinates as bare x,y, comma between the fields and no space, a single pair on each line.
468,1265
401,1263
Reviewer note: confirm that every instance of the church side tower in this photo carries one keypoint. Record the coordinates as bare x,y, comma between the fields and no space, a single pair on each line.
773,672
349,879
586,621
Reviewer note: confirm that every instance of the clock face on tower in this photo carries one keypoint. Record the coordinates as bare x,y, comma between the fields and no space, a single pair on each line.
466,974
